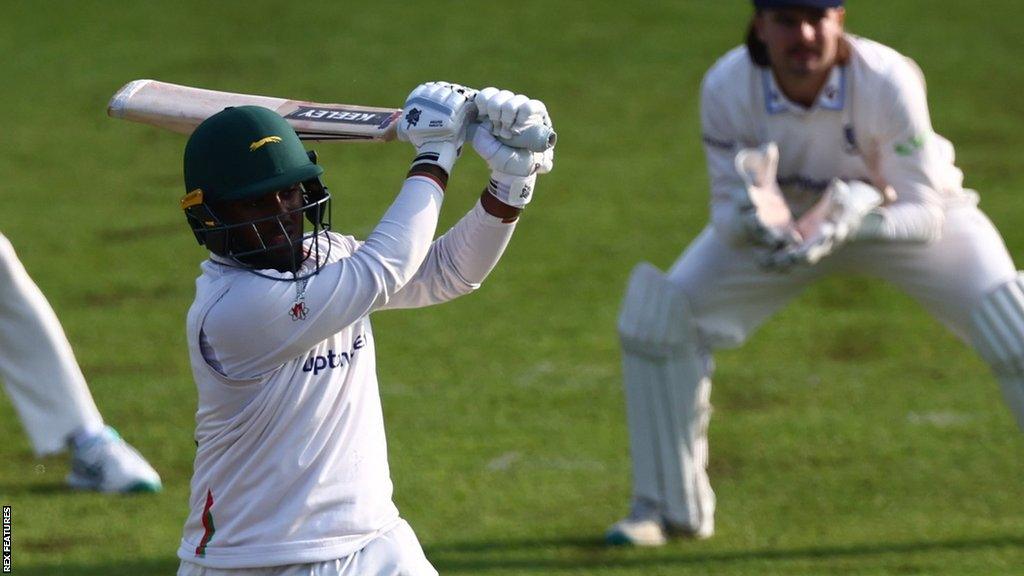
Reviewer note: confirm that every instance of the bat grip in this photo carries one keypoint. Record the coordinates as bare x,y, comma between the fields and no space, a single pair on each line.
535,138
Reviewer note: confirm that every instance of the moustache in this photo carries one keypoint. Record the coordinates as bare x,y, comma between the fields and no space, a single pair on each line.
798,49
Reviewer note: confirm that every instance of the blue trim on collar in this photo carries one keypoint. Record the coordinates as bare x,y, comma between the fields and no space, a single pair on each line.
775,102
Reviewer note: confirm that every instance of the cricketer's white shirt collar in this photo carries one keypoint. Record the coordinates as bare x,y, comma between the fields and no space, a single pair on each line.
831,97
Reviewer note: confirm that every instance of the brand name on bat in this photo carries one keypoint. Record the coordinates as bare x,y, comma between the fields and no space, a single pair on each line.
340,115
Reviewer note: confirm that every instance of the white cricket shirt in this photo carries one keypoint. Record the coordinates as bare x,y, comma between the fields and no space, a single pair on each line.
870,122
291,460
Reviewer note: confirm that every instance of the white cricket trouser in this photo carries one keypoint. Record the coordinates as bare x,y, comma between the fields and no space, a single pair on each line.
730,295
397,552
37,366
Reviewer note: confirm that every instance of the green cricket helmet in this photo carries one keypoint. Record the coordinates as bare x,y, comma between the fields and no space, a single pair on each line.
244,153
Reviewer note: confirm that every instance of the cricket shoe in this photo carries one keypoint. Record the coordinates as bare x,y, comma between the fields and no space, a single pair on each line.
643,527
687,533
106,463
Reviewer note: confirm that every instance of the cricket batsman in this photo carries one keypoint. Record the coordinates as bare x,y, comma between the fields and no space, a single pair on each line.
822,159
291,473
41,375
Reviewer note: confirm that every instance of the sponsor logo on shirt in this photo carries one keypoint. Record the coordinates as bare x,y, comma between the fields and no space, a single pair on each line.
317,363
716,143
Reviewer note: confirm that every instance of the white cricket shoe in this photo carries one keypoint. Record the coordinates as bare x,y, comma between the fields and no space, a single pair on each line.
106,463
628,532
643,527
685,532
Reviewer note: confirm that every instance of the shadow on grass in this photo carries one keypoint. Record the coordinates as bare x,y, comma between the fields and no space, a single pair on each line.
575,554
578,553
49,488
155,567
57,489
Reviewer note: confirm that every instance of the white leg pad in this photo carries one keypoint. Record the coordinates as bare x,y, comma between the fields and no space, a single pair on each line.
668,402
999,339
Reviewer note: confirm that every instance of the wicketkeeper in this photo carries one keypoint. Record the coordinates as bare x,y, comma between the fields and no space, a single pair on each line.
822,159
291,472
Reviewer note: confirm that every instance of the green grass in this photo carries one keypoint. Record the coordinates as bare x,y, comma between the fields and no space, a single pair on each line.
852,435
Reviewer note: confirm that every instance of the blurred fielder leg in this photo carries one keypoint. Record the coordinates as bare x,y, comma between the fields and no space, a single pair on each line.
999,339
967,280
668,406
49,393
714,297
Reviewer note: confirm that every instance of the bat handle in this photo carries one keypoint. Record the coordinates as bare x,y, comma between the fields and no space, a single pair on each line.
535,138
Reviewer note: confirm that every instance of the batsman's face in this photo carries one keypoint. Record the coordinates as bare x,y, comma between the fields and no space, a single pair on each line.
801,42
276,228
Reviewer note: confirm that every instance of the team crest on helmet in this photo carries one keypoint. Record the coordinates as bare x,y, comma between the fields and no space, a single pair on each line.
259,143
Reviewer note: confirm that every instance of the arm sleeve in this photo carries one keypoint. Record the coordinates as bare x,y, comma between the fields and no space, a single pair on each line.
911,159
901,223
252,329
458,262
721,143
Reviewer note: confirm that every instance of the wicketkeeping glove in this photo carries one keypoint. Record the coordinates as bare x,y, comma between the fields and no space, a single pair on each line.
829,224
434,120
764,215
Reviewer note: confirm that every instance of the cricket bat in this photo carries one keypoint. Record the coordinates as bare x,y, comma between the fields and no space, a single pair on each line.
182,108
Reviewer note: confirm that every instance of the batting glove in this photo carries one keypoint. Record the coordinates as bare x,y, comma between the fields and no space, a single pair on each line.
434,120
510,114
513,170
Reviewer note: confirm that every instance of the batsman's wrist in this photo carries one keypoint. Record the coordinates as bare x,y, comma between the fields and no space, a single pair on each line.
497,208
510,189
430,170
443,154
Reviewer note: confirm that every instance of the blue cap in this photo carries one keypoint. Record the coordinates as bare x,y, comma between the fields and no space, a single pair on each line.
798,4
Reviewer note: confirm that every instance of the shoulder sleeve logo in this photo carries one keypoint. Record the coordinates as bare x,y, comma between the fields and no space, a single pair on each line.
911,145
259,143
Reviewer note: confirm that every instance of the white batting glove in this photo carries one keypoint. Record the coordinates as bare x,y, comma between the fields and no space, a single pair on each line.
510,113
434,120
513,170
764,215
829,224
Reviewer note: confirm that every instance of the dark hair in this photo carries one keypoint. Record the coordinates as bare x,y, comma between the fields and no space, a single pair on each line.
759,52
755,48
